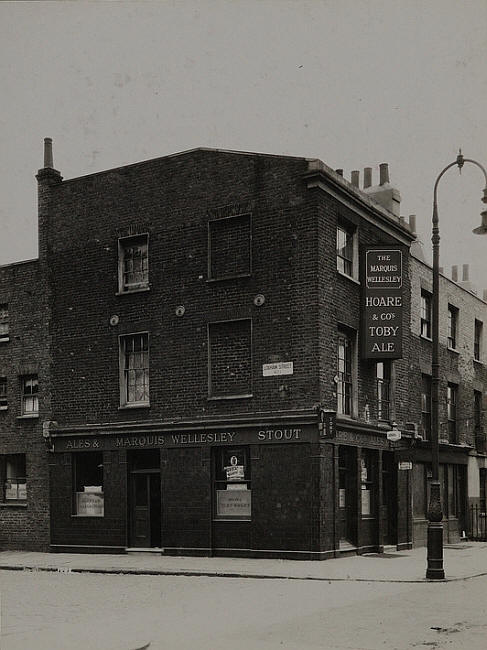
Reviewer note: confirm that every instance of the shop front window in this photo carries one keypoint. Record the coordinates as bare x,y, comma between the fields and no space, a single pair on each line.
88,484
13,469
233,494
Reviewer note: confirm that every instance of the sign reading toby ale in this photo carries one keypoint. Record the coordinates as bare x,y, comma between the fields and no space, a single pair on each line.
382,302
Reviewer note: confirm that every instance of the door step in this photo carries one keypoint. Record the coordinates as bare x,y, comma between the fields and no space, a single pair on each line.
144,551
346,548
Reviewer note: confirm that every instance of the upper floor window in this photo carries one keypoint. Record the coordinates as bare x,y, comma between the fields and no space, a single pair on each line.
477,340
345,250
229,247
29,395
425,314
345,373
134,369
426,406
3,393
477,410
383,380
230,358
133,263
452,327
4,329
13,471
451,405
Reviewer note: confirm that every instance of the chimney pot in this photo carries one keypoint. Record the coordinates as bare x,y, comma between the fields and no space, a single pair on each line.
367,177
48,162
384,173
355,178
412,223
454,273
441,270
465,273
339,172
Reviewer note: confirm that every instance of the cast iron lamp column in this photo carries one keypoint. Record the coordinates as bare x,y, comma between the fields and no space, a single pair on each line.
435,526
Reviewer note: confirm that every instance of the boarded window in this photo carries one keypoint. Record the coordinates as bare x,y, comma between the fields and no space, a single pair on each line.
229,247
230,358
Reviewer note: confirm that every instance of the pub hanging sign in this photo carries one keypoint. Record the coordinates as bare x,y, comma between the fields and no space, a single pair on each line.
382,302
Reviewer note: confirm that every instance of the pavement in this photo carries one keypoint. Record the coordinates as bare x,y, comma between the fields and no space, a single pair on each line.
461,561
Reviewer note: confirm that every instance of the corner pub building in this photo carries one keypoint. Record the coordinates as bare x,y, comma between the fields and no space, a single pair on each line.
222,378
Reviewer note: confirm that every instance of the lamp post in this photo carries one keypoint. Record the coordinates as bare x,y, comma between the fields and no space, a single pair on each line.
435,527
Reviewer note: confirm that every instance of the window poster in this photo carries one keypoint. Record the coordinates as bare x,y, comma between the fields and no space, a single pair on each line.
233,503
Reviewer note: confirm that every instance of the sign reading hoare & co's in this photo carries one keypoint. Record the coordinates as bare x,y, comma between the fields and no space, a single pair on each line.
382,302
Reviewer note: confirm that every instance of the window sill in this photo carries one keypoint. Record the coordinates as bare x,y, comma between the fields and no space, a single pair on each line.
221,397
349,277
87,516
131,291
28,416
218,519
454,350
6,339
426,338
13,504
345,418
3,408
478,361
124,407
229,277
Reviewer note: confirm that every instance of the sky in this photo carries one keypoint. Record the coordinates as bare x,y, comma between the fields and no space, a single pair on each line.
353,83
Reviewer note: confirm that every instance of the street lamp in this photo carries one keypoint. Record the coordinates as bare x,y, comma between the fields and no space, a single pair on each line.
435,527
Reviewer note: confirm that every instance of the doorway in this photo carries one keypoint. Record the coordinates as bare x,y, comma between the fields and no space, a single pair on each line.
144,498
347,496
389,499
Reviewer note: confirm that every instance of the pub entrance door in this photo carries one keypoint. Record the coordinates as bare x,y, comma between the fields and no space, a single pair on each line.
389,499
347,496
144,498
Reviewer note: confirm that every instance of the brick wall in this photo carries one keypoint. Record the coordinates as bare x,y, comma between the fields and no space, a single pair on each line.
24,525
173,199
457,367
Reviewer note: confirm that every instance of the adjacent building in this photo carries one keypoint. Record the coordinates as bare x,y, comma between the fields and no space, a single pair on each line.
225,347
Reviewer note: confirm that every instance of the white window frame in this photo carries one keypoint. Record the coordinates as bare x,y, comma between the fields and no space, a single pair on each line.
453,316
123,372
352,231
3,394
27,396
123,244
4,323
351,337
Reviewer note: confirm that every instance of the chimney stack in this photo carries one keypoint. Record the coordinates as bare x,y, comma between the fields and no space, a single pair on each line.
367,177
384,194
412,223
339,172
383,173
465,273
355,178
485,295
454,273
48,162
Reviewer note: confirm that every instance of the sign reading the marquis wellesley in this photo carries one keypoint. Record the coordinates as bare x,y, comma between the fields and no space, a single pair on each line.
382,302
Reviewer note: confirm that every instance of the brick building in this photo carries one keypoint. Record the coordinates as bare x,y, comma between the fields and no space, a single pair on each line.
206,319
24,504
